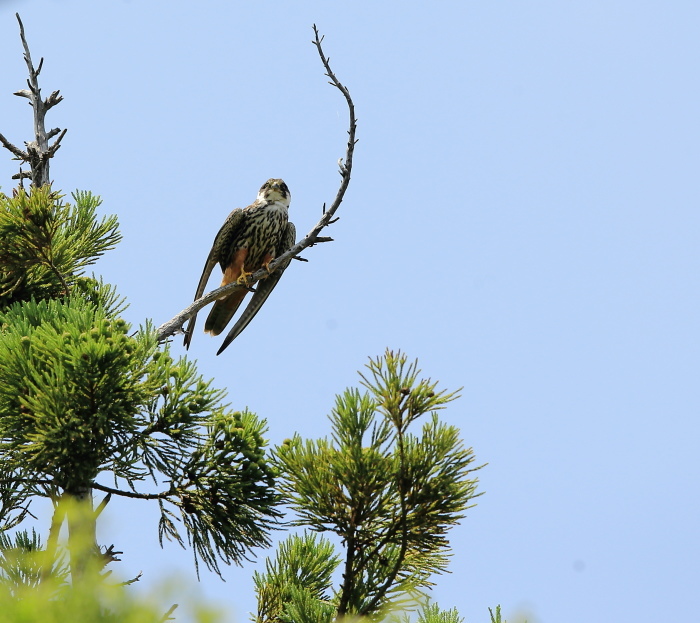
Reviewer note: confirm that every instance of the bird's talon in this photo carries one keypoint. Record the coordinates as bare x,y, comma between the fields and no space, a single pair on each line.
243,279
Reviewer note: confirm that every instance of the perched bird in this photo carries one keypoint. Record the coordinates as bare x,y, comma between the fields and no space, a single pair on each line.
249,239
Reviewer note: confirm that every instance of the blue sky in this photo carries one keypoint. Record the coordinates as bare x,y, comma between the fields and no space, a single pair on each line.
523,219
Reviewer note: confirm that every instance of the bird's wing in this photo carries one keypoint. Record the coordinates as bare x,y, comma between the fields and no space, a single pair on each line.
223,238
263,288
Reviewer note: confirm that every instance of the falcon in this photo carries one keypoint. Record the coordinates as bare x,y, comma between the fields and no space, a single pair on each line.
249,239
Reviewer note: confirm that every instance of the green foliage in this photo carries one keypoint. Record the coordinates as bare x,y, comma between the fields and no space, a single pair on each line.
389,494
25,564
225,490
74,382
296,586
95,601
431,613
46,243
82,397
102,295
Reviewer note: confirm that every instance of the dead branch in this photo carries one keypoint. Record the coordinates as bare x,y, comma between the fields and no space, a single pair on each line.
174,325
38,152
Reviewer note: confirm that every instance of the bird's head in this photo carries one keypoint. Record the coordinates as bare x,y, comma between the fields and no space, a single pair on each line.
275,190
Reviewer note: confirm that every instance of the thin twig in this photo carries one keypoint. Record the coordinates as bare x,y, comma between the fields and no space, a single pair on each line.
19,154
166,616
133,494
103,504
174,325
132,580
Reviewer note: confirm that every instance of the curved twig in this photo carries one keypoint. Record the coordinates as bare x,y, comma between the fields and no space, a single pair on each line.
174,325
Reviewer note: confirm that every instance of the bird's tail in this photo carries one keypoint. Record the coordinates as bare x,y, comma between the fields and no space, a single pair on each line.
222,312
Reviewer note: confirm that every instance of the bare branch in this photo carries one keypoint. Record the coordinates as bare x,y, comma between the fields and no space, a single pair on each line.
38,153
132,494
103,504
21,155
174,325
57,143
108,556
132,580
52,99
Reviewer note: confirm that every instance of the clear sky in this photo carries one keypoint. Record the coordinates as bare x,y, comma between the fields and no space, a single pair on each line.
523,219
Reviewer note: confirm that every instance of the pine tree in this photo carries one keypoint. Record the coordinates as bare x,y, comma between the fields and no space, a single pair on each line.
86,399
83,397
388,494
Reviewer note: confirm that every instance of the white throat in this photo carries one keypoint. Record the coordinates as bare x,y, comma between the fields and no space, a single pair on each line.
279,204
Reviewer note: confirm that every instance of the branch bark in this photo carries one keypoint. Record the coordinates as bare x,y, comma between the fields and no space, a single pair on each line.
163,495
175,324
38,152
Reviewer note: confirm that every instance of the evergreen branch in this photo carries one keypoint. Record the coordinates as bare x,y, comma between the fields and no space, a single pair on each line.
295,585
175,324
403,523
46,261
364,559
349,584
388,494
